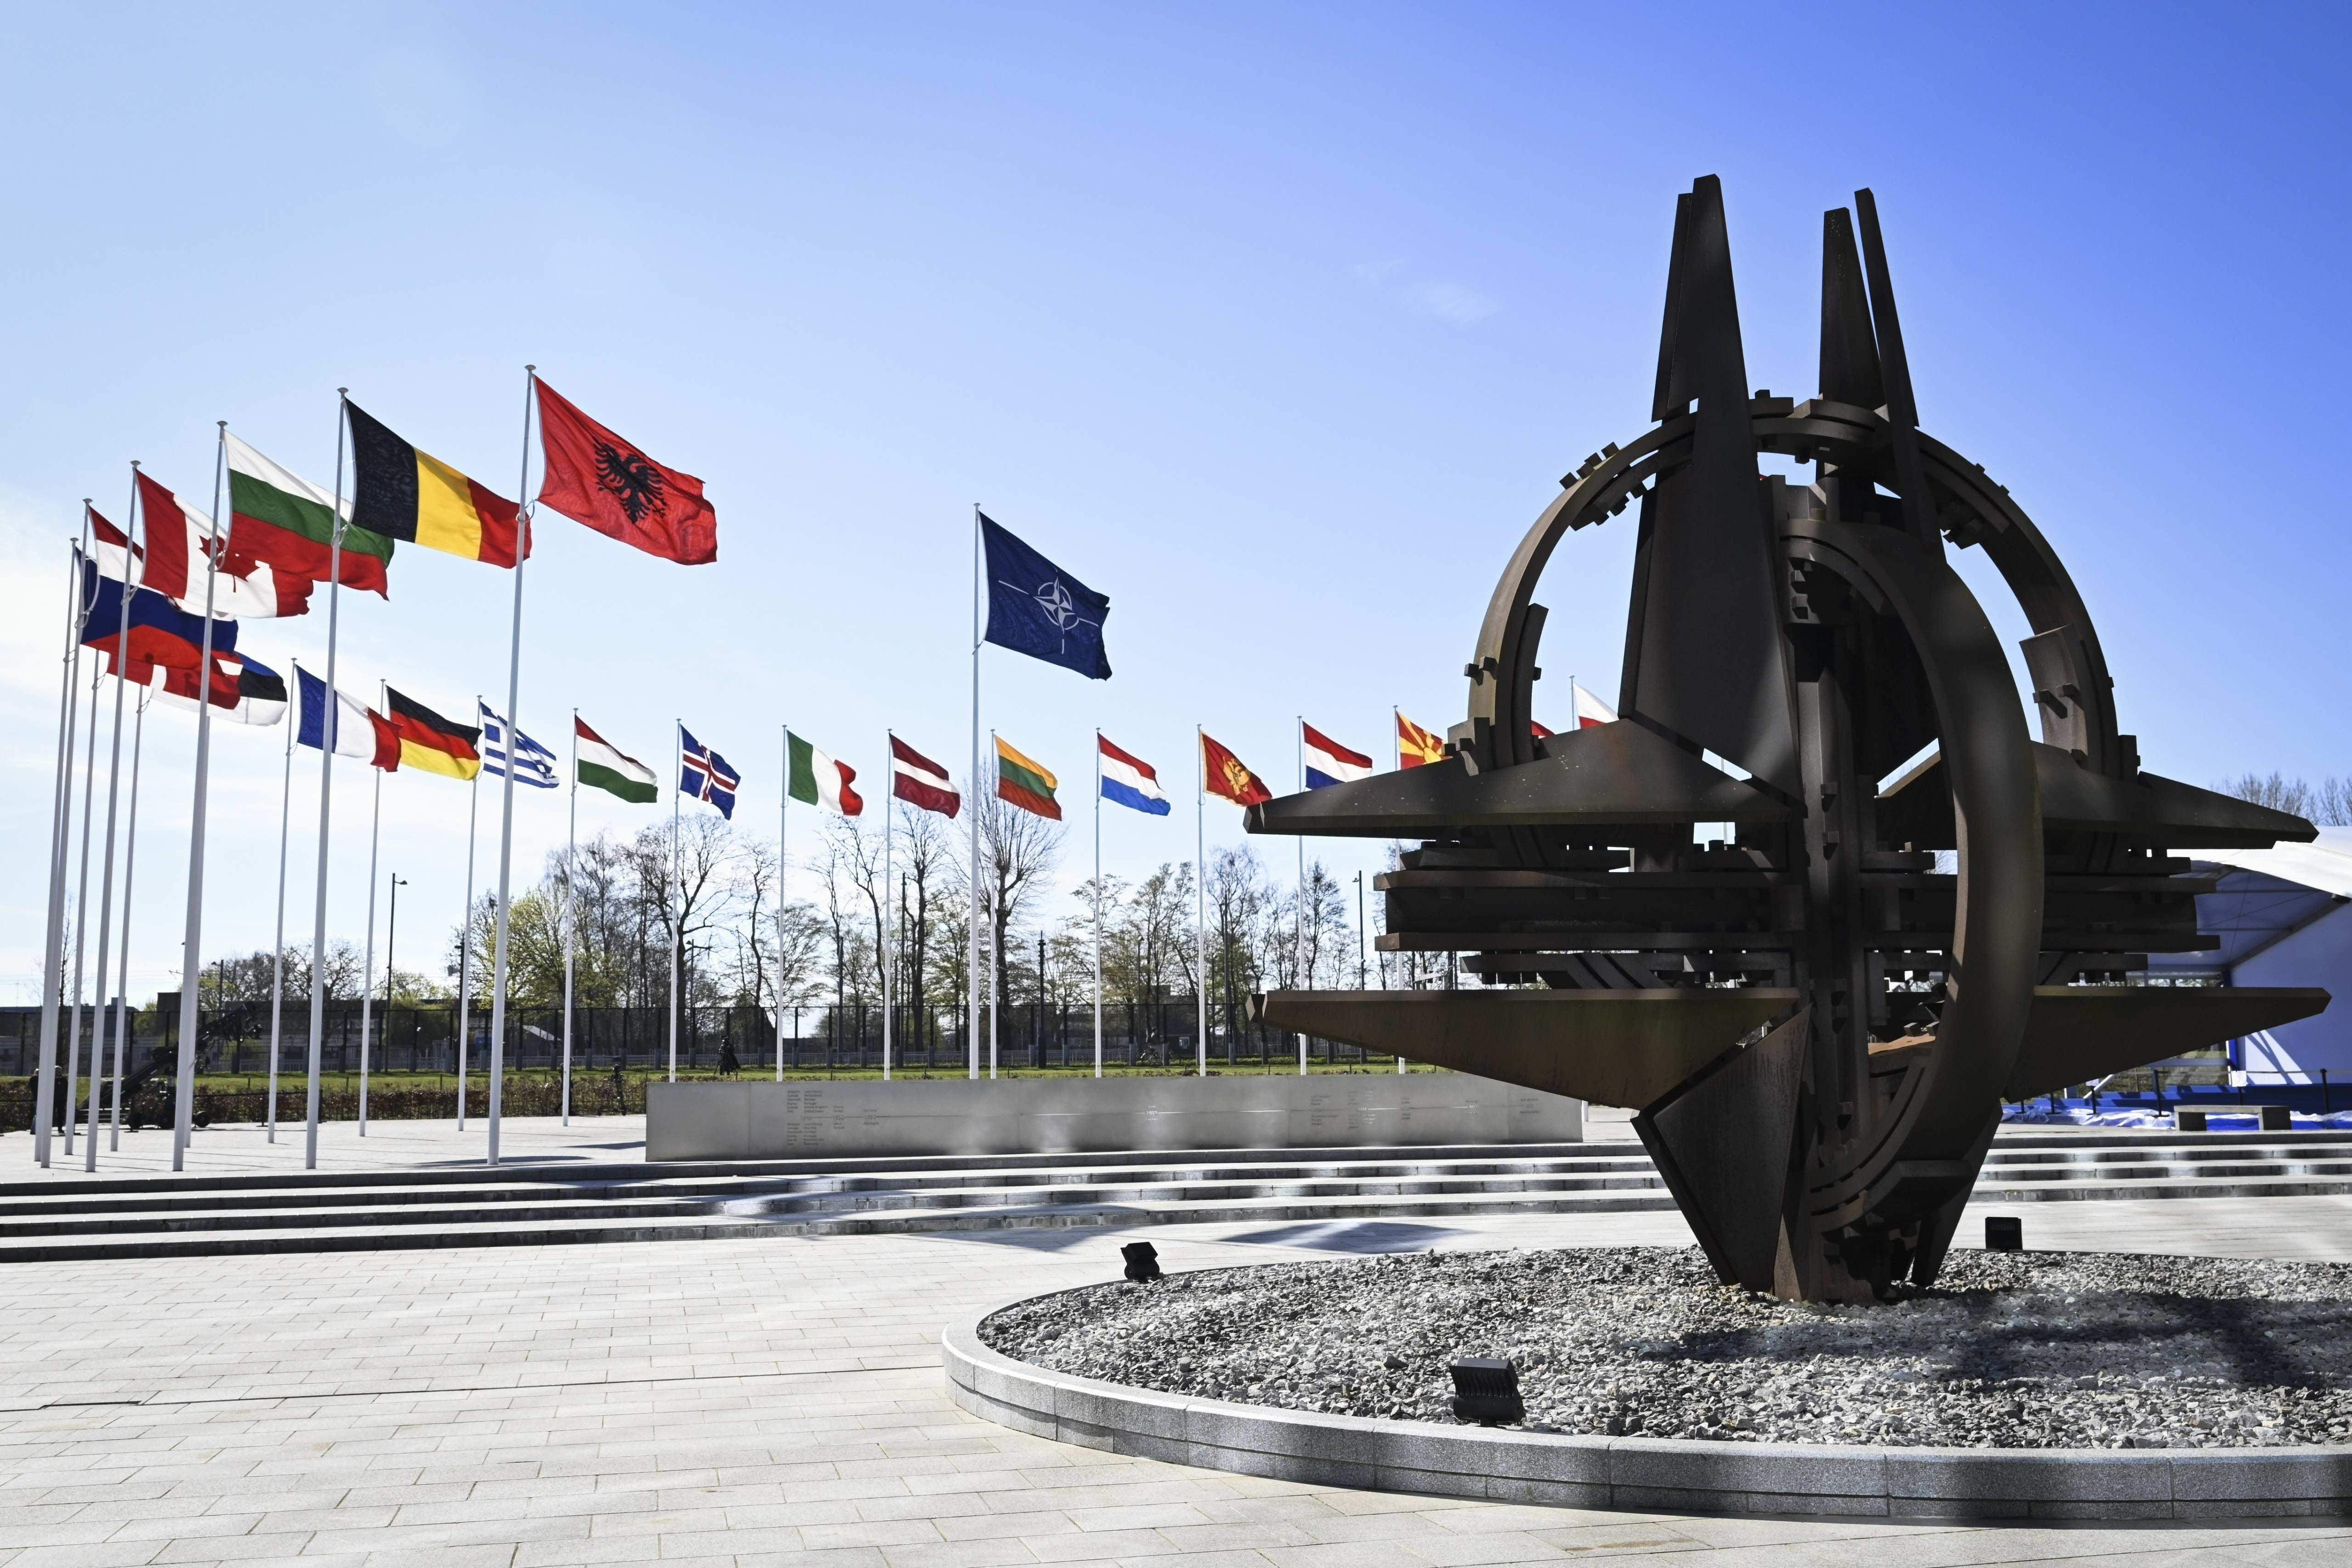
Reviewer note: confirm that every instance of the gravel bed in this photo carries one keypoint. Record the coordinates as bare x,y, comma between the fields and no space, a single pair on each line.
2009,1351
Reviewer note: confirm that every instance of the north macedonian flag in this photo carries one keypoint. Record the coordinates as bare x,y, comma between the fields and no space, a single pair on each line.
277,516
428,741
1222,775
402,493
1416,747
1026,783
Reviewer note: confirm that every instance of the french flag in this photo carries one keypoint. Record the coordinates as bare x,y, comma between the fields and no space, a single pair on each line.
1329,763
1129,781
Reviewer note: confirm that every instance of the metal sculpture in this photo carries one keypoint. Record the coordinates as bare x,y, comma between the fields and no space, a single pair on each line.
1815,1022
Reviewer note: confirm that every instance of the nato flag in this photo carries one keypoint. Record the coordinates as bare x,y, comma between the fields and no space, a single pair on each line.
1036,607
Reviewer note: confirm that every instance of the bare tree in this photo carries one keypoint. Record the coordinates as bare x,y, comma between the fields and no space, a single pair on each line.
2329,804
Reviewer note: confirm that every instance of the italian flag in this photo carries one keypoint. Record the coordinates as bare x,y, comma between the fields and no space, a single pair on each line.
278,517
819,780
602,766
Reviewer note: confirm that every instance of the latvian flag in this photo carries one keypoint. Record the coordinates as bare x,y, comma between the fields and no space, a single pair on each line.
1129,781
819,780
1329,763
703,775
918,780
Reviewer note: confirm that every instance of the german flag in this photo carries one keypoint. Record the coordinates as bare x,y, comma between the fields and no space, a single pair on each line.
402,493
428,741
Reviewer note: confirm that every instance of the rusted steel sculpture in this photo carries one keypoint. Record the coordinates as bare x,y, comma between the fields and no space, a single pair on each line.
1816,1024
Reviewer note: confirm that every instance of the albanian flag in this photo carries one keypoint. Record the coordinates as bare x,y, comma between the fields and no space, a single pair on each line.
595,477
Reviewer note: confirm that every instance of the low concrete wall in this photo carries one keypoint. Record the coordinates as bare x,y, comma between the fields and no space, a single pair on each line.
762,1120
1649,1474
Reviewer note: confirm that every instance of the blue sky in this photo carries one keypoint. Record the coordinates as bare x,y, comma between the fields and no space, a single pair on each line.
1278,324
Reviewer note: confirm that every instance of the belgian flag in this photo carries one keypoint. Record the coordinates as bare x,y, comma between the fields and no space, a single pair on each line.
402,493
428,741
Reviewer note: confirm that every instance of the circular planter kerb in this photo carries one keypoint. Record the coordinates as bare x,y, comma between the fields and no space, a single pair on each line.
1646,1473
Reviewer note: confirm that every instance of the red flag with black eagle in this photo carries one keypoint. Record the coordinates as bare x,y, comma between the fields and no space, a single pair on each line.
596,479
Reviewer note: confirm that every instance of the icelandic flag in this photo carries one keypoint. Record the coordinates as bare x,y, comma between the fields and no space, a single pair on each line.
1129,781
1036,607
704,774
1329,763
161,632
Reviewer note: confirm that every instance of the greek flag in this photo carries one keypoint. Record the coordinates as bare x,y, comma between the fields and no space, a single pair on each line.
534,764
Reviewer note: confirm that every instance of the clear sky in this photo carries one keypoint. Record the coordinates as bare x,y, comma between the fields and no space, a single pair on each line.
1276,324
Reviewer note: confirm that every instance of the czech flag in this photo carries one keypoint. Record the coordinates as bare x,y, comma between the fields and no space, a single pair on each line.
1329,763
1129,781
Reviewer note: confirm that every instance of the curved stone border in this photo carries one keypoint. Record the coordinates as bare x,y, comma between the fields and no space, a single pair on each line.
1646,1473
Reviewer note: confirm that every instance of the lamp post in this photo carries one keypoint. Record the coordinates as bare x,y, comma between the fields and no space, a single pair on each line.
391,925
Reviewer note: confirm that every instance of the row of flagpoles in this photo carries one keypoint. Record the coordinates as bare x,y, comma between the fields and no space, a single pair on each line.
283,535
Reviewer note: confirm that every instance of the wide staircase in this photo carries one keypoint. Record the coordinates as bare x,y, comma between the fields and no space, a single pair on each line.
195,1215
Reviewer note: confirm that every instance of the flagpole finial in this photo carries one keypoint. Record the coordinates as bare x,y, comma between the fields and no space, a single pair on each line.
532,369
342,392
222,423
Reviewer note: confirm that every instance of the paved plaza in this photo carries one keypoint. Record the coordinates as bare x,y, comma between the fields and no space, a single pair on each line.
781,1401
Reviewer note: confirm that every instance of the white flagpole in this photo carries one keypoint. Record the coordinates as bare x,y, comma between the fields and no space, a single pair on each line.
783,874
367,971
570,934
1200,887
328,734
81,902
995,961
60,809
676,916
285,823
192,954
971,968
130,573
1098,1054
505,774
466,941
888,905
123,977
1396,738
1298,906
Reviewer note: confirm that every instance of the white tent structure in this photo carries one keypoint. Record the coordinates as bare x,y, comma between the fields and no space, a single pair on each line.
2285,918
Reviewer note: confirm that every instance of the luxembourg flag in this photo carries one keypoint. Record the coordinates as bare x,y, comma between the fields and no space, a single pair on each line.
1128,780
1329,763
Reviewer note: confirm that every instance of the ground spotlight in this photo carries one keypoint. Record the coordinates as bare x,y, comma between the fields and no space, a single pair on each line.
1142,1261
1486,1390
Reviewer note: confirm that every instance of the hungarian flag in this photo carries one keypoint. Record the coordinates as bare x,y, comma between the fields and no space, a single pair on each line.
428,741
919,781
595,477
344,725
242,690
819,780
1222,774
179,539
1026,783
280,518
604,766
1416,746
401,493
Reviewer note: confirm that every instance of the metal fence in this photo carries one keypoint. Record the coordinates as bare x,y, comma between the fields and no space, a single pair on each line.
844,1037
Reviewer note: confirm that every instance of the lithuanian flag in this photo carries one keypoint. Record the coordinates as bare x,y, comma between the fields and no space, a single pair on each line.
428,741
1026,783
402,493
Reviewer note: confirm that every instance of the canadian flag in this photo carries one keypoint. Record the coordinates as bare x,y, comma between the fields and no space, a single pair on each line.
178,537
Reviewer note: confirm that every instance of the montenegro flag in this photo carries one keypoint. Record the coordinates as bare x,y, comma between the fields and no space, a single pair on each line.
428,741
402,493
1223,774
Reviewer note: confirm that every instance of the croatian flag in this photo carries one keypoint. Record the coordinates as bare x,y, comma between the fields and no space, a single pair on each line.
1329,763
704,774
1129,781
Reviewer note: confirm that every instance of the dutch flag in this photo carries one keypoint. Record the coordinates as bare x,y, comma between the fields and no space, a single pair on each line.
1329,763
1129,781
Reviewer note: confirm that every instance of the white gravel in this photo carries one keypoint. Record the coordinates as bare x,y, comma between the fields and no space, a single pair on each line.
2009,1351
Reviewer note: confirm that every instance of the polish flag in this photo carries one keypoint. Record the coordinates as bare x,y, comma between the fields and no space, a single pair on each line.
1329,763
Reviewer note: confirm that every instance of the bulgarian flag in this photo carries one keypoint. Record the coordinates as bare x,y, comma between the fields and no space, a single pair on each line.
819,780
604,766
280,518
